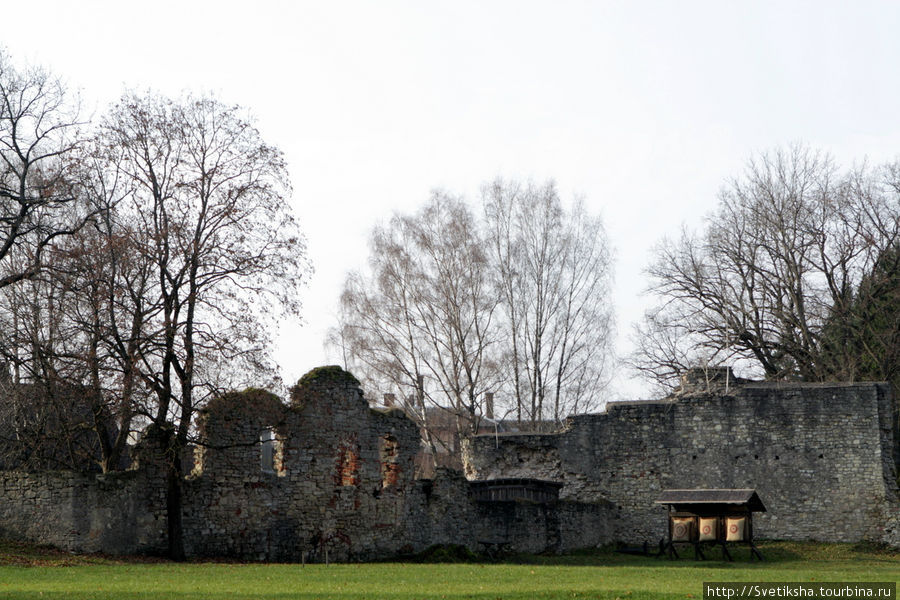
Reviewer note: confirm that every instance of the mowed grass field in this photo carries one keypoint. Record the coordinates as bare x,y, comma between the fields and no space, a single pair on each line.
28,572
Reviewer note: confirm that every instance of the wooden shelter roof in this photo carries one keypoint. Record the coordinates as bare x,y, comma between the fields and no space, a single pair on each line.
741,497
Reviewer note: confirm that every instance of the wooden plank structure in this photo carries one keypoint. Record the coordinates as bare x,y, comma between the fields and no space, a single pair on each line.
716,517
503,493
516,490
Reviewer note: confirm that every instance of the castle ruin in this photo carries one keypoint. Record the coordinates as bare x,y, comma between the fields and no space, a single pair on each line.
329,475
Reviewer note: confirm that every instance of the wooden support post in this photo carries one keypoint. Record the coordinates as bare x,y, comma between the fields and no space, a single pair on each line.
754,551
698,553
725,554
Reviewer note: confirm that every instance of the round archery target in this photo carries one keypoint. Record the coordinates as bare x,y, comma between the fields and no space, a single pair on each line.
736,528
681,530
708,529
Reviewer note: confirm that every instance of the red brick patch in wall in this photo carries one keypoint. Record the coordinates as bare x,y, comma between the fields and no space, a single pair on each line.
347,464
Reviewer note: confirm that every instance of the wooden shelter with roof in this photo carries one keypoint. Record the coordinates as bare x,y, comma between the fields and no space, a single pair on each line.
515,490
714,516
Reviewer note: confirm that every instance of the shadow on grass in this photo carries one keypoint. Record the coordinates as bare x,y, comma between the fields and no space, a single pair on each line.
26,554
773,552
14,553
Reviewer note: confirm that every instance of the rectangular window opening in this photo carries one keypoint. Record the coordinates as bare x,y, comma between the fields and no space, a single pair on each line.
267,450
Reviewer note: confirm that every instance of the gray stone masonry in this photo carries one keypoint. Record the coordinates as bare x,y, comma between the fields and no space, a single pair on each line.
336,480
820,456
326,475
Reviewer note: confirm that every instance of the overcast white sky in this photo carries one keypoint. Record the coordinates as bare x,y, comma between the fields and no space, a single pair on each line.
643,108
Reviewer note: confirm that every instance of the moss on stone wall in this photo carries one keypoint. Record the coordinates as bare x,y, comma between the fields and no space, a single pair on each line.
331,374
254,405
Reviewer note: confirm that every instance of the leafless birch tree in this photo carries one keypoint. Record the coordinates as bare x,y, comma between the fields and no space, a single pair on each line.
425,311
513,303
554,275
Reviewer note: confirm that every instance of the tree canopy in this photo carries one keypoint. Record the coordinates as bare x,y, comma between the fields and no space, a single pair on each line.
145,261
458,307
771,280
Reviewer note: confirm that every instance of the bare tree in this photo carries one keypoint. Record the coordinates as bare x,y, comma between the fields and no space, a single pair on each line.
39,131
170,293
513,303
81,322
426,309
554,273
40,137
781,256
46,421
207,213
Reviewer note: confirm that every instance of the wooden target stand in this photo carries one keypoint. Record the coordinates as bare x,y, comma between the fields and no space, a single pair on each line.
716,517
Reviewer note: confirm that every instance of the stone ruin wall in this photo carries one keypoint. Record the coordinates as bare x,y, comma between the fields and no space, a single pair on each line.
341,482
820,455
340,478
119,512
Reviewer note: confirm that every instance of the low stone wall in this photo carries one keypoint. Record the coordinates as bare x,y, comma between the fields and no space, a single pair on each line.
124,514
454,518
119,513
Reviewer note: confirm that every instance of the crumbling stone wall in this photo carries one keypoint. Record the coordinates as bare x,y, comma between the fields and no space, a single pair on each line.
327,474
820,456
330,490
324,475
344,484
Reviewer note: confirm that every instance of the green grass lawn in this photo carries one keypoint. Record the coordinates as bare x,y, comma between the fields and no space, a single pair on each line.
26,572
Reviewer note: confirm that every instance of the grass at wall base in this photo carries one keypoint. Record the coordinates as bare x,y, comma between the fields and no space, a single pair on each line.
32,572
